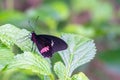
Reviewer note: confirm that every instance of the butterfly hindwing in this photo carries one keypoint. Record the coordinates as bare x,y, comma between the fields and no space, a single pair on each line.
44,46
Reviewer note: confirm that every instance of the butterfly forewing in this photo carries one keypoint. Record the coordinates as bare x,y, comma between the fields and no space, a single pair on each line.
57,44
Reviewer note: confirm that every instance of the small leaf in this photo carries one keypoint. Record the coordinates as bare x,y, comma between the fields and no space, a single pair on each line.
60,70
6,56
80,51
32,62
10,35
80,76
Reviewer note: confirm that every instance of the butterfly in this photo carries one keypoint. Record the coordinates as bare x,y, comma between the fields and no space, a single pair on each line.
48,44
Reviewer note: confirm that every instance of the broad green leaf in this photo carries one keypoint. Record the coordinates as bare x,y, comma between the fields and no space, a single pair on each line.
30,61
80,76
80,51
6,56
60,70
10,35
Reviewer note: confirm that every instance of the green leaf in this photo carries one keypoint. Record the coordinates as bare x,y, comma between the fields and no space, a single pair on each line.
6,56
80,51
80,76
10,35
30,61
60,70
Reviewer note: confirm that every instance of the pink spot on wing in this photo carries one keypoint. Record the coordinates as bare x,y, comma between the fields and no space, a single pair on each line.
45,49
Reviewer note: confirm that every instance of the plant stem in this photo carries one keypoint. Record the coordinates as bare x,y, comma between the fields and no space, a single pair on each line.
51,77
68,67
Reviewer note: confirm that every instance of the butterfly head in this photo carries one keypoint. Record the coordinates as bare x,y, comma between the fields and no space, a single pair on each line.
33,35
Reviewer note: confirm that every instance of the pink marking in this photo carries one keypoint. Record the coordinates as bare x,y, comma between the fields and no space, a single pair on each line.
45,49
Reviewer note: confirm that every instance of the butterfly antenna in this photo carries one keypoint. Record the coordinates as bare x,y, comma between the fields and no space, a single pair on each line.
34,21
29,22
37,19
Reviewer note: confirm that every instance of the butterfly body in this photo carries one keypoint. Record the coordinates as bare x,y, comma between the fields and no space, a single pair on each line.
47,44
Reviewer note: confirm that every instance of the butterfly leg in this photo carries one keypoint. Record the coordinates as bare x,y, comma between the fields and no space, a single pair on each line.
24,38
33,49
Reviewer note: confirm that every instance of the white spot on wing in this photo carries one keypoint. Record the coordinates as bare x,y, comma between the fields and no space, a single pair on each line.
52,43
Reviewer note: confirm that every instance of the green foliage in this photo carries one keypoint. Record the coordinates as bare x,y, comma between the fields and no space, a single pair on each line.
61,9
102,13
98,19
46,15
80,51
6,56
10,35
60,70
79,29
81,5
28,60
113,57
79,76
14,17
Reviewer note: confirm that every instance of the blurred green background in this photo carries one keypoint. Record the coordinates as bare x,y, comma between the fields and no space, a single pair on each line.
97,19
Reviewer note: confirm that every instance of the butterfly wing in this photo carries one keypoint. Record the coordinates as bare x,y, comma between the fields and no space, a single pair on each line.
43,45
48,44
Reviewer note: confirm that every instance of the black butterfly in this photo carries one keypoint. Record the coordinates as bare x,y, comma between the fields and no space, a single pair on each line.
48,44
